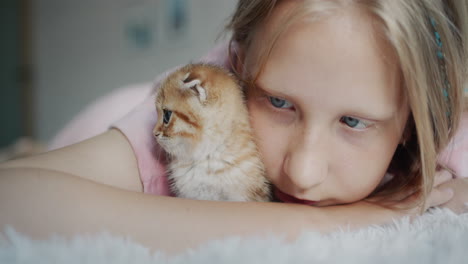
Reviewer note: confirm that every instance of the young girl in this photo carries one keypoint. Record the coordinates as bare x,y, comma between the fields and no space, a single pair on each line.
340,93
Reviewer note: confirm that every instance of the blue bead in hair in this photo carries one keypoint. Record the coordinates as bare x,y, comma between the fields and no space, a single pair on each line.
441,59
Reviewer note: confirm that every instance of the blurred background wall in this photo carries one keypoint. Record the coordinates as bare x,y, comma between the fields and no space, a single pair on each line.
60,55
10,92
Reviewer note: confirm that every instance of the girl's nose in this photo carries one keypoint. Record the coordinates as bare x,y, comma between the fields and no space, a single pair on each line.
306,165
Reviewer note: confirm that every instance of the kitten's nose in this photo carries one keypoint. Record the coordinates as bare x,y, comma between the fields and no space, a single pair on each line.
156,134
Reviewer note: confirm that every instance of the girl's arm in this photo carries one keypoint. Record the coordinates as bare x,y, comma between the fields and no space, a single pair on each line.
39,202
107,159
41,195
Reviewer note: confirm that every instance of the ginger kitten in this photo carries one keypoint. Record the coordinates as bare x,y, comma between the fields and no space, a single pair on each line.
203,125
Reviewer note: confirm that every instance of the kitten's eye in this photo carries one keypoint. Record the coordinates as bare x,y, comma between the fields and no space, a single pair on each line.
353,122
279,103
166,116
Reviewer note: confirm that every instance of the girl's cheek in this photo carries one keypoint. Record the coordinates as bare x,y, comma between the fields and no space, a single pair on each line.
358,139
354,139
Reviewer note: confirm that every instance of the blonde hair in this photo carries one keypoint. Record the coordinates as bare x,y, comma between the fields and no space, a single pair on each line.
434,91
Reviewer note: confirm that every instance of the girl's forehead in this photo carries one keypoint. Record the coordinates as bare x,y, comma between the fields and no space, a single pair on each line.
288,14
338,53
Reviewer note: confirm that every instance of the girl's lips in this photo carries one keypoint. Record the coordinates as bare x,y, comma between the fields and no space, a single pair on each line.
286,198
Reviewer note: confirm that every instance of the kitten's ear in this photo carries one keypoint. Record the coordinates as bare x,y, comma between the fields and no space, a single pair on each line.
195,86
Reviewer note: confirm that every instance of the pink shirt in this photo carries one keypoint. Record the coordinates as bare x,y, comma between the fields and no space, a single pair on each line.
138,123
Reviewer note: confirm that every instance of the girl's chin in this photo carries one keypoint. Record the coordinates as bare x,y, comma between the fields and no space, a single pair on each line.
286,198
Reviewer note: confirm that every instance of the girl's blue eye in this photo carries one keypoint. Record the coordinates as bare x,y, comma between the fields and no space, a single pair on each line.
353,122
279,103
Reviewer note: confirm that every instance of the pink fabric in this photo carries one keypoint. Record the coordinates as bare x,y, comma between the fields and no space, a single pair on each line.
137,126
455,155
95,118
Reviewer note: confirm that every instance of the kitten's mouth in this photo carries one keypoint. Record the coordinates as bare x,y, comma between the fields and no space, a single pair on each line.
286,198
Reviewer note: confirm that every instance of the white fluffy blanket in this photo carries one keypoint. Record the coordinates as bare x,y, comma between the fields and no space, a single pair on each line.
437,237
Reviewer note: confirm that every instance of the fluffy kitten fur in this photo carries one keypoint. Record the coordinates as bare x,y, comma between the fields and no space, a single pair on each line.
203,125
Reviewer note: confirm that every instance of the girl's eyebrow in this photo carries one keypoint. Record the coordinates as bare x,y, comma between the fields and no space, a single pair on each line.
377,118
370,115
375,114
259,85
